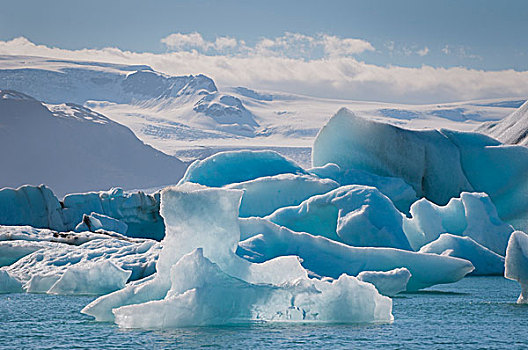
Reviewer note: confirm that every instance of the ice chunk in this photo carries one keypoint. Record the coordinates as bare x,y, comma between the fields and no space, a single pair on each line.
473,215
511,130
93,278
30,205
9,284
356,215
139,211
516,266
92,262
200,281
264,195
238,166
325,257
486,262
399,192
387,282
94,222
202,294
39,207
11,251
427,160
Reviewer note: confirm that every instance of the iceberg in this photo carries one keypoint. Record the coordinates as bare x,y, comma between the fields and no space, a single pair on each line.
263,240
200,280
264,195
356,215
9,284
387,282
37,206
95,267
472,215
398,191
95,278
438,164
516,265
486,262
229,167
11,251
94,222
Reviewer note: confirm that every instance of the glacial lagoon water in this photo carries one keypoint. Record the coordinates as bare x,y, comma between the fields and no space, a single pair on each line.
475,313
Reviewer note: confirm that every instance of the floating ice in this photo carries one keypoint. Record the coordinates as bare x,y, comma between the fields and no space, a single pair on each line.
387,282
30,205
399,192
238,166
437,164
11,251
473,215
39,207
356,215
200,281
516,266
8,284
264,240
486,262
96,278
94,222
264,195
95,267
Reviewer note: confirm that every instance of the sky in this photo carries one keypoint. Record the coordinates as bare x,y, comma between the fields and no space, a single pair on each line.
396,51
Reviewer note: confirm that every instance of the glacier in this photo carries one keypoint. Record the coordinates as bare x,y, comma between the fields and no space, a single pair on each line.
200,280
516,264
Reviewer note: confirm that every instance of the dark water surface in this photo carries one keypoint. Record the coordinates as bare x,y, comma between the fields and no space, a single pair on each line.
475,313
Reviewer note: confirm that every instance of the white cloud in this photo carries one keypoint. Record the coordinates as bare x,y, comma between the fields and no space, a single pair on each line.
336,77
423,51
446,50
294,45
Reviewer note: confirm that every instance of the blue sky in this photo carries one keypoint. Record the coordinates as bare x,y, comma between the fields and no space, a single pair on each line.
480,34
402,51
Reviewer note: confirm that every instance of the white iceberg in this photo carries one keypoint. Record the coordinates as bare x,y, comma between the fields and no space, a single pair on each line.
264,195
264,240
472,215
486,262
387,282
356,215
516,265
95,267
229,167
200,281
9,284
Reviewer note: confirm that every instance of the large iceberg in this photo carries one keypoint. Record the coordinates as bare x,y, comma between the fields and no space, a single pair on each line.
200,280
229,167
516,265
356,215
264,240
439,165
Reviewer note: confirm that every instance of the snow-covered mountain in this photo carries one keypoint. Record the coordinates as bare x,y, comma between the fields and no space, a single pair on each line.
511,130
71,148
189,117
